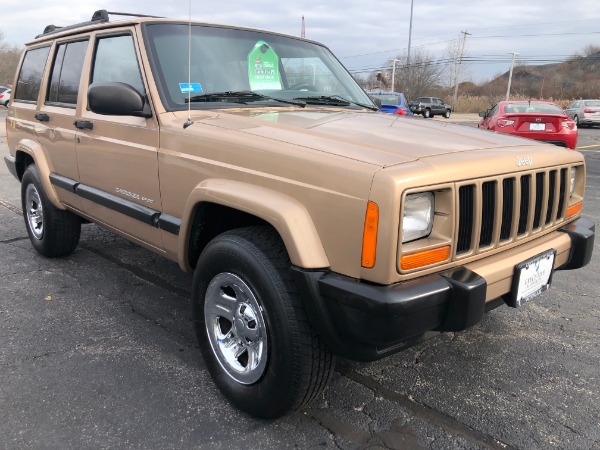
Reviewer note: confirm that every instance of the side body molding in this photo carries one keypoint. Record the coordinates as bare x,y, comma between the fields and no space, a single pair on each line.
288,216
33,149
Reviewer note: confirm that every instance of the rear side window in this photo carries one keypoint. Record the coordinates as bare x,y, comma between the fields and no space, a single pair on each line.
66,73
31,74
116,61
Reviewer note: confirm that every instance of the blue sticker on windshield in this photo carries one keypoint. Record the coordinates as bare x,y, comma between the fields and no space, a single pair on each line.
190,87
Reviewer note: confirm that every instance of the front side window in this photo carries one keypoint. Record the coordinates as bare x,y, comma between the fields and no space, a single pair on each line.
66,73
31,74
225,61
116,61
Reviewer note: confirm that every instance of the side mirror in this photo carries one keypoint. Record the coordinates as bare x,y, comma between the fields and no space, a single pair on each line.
483,114
117,99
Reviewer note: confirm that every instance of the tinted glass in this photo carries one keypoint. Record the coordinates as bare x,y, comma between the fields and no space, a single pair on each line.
387,99
116,61
532,107
227,59
592,103
66,73
30,77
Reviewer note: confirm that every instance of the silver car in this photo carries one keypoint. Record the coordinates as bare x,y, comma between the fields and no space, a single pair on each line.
585,112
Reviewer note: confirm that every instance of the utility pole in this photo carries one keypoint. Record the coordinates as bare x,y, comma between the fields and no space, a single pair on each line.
407,88
462,50
394,73
512,65
302,31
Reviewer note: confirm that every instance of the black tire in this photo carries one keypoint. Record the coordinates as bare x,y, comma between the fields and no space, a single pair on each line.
53,232
447,114
427,113
296,366
576,119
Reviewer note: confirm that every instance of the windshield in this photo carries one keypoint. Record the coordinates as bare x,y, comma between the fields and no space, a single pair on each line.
387,99
531,107
228,61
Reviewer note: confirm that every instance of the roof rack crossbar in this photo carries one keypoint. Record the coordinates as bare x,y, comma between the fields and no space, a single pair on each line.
99,16
113,13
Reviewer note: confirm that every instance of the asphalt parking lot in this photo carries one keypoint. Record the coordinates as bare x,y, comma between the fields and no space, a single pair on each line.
97,351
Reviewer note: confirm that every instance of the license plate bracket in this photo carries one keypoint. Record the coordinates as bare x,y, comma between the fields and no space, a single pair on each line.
532,277
537,127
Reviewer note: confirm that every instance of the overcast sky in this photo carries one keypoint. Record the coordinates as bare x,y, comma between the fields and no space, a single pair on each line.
365,34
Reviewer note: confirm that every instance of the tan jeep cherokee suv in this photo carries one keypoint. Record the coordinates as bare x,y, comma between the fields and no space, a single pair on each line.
314,224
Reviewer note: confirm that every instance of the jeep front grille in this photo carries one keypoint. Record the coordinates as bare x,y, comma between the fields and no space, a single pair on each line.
493,212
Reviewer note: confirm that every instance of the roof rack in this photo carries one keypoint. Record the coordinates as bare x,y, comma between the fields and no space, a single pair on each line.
99,16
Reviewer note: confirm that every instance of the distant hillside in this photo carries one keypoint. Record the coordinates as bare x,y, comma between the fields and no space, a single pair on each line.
577,78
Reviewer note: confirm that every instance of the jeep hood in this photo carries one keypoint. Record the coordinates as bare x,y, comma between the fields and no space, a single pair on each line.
390,139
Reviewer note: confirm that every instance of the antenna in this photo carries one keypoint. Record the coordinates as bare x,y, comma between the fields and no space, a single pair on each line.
189,121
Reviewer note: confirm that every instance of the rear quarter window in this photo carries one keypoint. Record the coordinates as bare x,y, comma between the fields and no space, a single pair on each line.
31,74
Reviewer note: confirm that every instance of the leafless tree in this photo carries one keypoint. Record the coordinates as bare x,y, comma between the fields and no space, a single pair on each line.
9,59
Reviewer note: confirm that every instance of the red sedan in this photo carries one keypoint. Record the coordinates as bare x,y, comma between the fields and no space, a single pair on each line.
543,121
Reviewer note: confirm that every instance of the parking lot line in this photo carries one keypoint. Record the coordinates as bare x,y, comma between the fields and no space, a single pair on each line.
588,146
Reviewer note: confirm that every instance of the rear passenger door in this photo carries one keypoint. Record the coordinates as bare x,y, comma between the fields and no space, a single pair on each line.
117,155
55,130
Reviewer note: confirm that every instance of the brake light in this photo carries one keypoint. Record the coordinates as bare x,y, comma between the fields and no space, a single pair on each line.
400,112
505,122
569,125
588,111
1,95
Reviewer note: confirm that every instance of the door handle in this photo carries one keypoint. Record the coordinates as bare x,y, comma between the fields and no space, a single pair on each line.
83,124
42,117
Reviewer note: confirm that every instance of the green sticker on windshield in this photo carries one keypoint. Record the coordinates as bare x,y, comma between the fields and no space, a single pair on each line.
263,67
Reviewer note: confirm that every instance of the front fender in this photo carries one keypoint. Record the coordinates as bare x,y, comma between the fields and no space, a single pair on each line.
287,215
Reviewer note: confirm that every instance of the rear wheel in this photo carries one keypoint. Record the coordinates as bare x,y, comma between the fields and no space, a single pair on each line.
576,119
252,328
53,232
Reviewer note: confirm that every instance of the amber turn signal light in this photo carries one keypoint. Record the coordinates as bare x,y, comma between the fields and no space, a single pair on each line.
574,209
369,244
425,258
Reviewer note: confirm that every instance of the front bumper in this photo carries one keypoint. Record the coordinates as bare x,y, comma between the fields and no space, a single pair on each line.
365,322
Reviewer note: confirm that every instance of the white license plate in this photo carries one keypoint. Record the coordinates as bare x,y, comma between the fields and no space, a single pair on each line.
532,277
537,126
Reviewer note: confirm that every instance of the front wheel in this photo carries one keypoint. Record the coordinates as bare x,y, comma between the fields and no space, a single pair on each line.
427,113
53,232
447,114
252,328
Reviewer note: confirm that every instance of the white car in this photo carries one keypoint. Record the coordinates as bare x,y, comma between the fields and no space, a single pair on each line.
5,97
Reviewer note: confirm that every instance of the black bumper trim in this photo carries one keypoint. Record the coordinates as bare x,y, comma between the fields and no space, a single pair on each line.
582,233
11,163
366,322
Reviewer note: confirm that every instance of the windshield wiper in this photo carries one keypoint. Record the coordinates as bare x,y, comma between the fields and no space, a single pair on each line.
242,97
335,100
